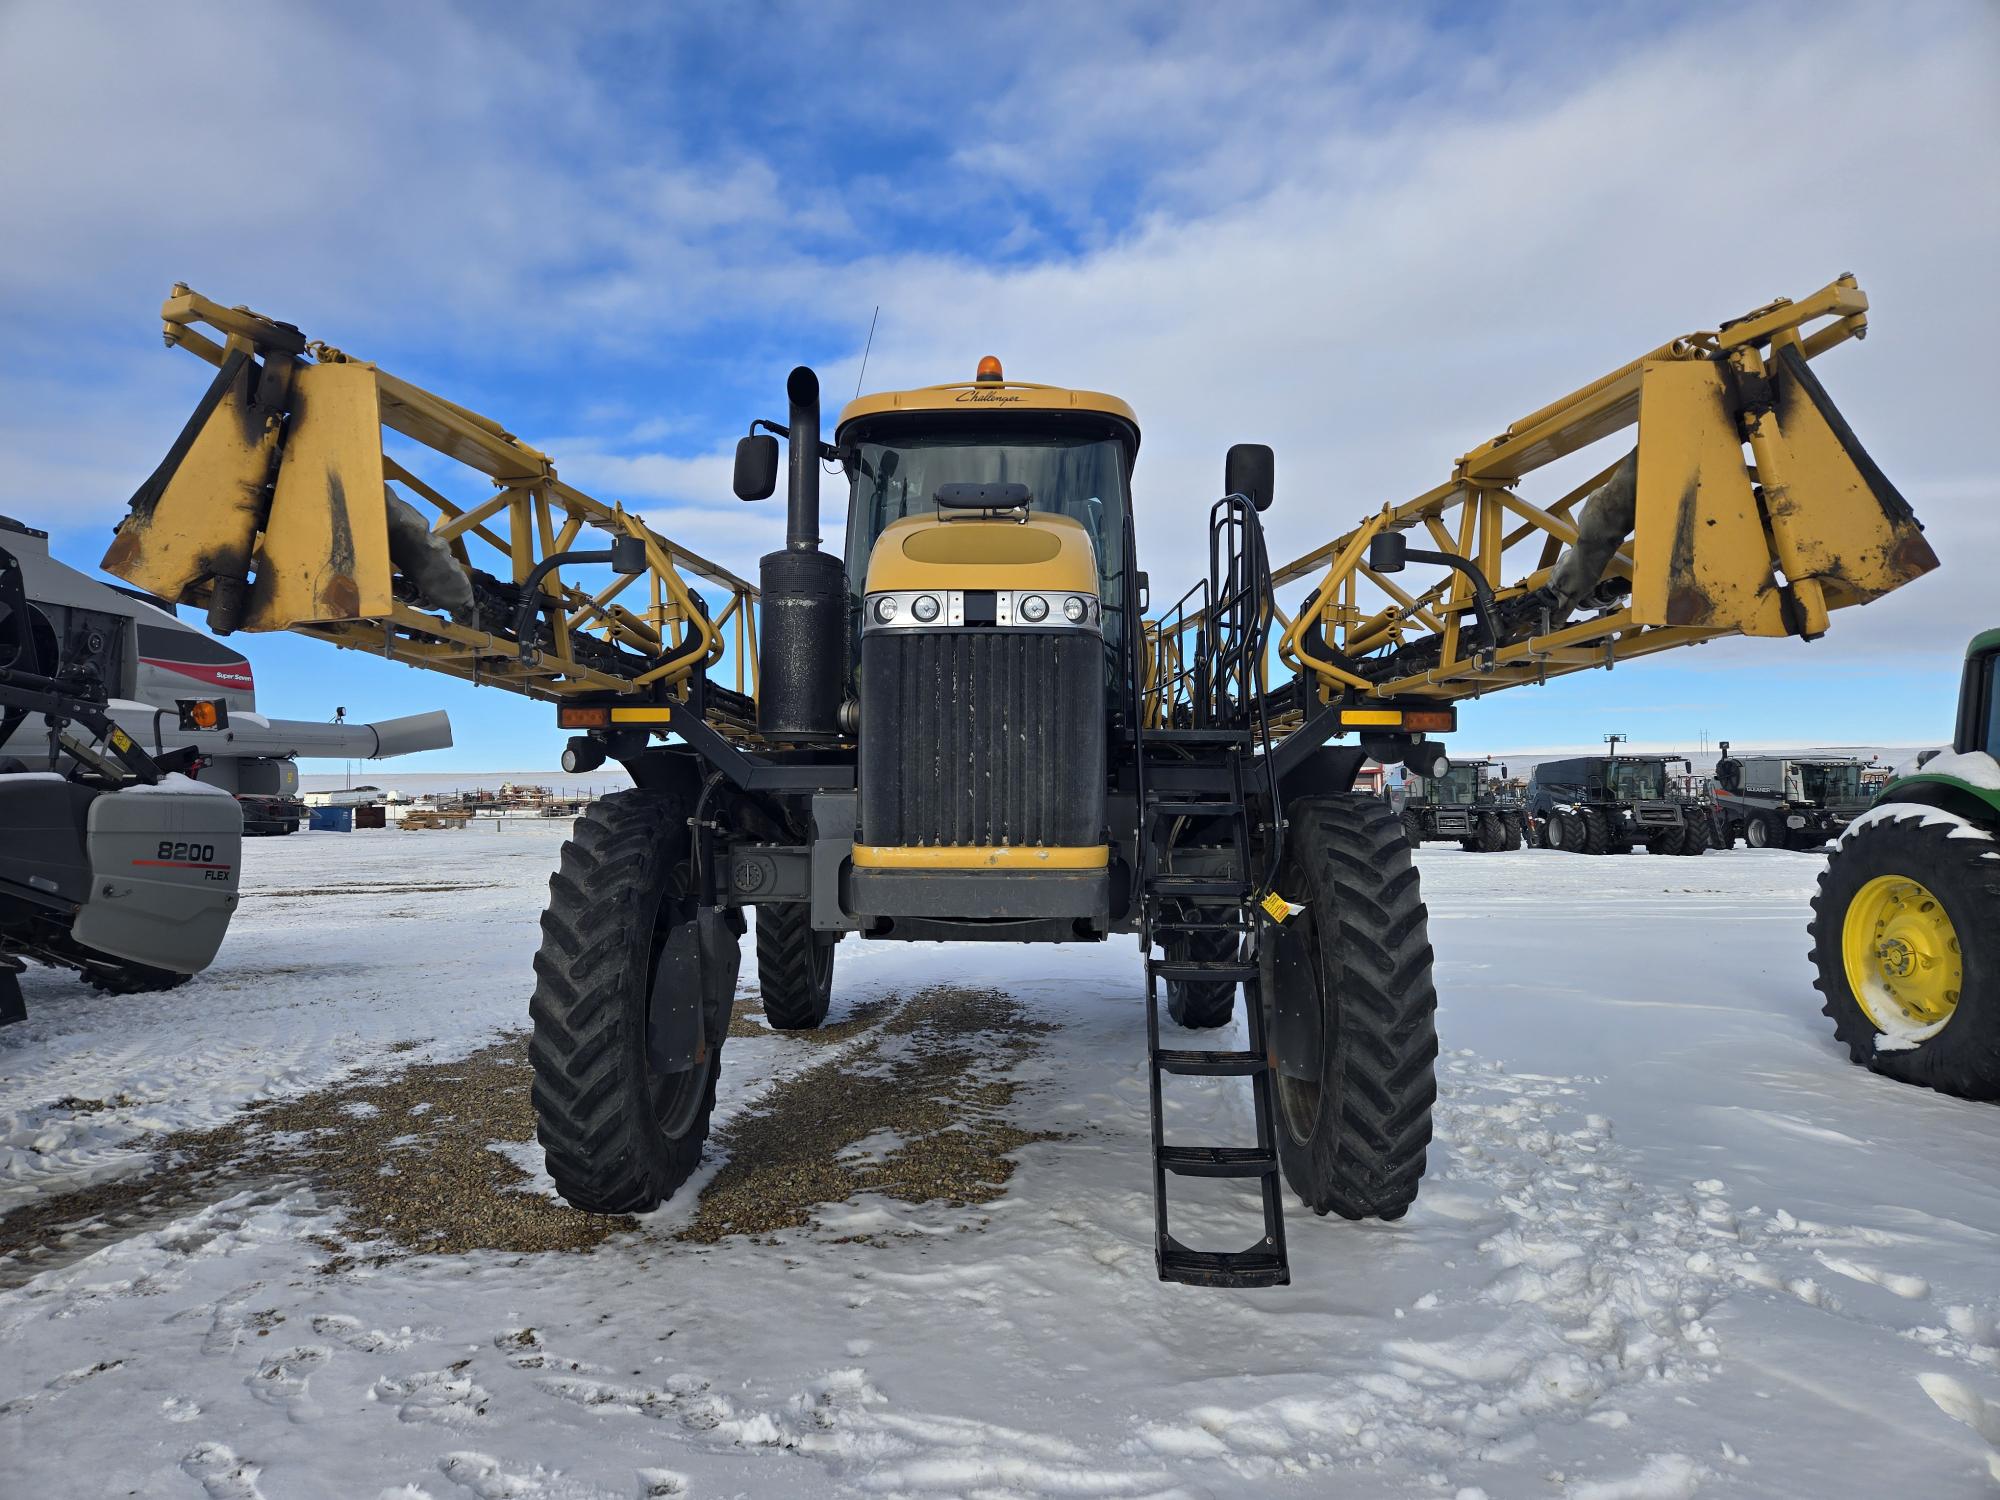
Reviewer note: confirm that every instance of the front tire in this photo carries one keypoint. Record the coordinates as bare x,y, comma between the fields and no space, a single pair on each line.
1906,939
794,967
1352,1012
632,996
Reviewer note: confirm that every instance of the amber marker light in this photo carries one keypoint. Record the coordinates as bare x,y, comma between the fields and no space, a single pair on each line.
989,370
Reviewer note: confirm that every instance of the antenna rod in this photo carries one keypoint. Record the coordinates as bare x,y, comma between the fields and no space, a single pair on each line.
862,374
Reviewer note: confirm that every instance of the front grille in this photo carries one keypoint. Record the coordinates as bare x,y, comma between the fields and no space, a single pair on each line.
982,737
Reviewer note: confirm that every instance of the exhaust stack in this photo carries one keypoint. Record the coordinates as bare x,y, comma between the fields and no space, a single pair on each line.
803,628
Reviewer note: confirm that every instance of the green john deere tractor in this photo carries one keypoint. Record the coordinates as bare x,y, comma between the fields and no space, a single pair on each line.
1906,925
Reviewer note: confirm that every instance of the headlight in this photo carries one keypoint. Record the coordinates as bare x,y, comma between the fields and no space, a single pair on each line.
1034,609
1074,610
885,609
925,608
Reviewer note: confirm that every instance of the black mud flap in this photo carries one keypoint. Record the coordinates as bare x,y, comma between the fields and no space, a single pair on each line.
694,984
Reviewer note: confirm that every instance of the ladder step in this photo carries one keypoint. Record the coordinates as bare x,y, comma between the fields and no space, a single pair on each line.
1197,885
1217,1161
1210,1064
1180,807
1198,736
1236,921
1260,1265
1201,971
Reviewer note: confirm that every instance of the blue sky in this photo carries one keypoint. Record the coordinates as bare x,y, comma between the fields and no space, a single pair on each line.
1369,237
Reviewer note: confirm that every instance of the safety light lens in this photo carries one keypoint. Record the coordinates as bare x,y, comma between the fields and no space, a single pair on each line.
989,370
885,610
925,608
1074,609
1034,609
201,713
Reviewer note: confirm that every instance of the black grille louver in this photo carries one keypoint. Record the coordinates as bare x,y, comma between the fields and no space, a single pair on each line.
982,737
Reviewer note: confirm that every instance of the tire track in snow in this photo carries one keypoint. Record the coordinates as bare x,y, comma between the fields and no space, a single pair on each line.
1595,1281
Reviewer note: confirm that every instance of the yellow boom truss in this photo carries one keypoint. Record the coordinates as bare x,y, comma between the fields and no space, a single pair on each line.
1746,507
282,485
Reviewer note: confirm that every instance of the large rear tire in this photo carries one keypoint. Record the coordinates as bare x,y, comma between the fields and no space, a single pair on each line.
794,966
632,996
1352,1011
1906,939
1696,834
1596,833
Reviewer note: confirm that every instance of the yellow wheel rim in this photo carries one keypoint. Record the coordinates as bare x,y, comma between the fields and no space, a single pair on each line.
1902,957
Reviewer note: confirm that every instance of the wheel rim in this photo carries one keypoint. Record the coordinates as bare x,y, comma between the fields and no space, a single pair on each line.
1756,835
1902,957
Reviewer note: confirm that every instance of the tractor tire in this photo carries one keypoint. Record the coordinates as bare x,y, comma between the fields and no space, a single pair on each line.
1720,834
1903,904
1352,1012
1667,841
794,966
1759,832
1201,1005
118,977
620,1131
1548,831
1695,835
1492,836
1596,835
1413,829
1511,827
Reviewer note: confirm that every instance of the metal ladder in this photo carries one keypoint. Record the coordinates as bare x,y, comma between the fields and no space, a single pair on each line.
1217,794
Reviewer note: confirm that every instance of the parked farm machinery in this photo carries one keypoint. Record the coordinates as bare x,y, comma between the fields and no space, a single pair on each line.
968,728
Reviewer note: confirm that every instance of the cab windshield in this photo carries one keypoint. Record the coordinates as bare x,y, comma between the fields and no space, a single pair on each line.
1632,780
1831,783
1459,787
1069,475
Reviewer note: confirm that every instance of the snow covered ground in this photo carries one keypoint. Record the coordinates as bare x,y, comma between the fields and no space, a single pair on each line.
1671,1243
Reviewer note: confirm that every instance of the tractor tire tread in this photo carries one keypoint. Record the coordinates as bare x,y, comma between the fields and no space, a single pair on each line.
596,1144
1964,1057
1371,1164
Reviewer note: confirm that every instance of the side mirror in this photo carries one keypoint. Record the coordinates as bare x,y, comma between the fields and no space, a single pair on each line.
1386,551
756,466
1249,470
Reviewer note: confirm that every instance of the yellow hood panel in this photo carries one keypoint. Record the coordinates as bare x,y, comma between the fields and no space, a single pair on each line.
1043,552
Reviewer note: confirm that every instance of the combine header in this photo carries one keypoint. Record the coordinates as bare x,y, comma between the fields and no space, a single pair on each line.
965,729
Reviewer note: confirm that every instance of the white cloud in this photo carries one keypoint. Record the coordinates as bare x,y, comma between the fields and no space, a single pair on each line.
1364,241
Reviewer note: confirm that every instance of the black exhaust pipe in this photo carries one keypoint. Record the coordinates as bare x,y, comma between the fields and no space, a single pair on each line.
802,637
